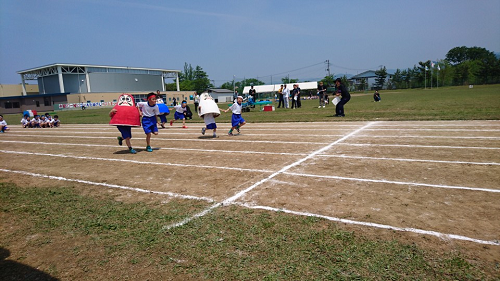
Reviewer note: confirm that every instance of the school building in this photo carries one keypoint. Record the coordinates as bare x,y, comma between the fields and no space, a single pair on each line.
67,86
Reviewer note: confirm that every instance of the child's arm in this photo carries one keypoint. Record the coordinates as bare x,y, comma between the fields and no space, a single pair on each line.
113,112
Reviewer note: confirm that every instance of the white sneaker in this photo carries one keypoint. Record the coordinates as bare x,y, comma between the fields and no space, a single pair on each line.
323,106
319,106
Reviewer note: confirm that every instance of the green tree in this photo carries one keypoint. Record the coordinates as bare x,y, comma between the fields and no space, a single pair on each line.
473,65
287,80
328,80
381,76
201,81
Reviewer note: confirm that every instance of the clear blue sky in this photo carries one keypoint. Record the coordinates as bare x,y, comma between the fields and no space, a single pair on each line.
251,39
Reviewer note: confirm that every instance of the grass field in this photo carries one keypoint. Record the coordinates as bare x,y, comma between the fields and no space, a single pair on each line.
410,200
450,103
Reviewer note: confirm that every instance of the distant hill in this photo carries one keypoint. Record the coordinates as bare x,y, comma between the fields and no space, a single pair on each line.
497,55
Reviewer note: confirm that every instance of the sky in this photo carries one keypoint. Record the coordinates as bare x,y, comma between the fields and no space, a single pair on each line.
266,40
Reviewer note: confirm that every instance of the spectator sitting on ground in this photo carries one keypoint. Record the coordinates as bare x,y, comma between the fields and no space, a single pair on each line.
3,125
376,96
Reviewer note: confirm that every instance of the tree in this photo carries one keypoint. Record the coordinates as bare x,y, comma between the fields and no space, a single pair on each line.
473,65
201,81
381,75
328,80
191,79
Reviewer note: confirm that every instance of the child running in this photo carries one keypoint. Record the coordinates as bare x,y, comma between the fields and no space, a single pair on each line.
210,124
180,111
126,132
149,110
236,120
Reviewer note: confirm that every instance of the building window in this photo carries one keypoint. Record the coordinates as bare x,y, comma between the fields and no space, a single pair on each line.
8,104
46,101
37,103
16,105
139,98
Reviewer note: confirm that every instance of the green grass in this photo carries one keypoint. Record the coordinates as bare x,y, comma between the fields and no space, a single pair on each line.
450,103
231,243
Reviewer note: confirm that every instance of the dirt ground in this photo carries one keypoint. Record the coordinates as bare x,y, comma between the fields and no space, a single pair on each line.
413,177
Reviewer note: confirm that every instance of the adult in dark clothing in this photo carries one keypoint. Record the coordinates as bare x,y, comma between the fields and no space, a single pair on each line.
344,98
280,97
376,96
295,96
188,114
299,103
321,93
253,93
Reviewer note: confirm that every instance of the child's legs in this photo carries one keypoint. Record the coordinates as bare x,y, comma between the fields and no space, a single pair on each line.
126,132
127,141
148,139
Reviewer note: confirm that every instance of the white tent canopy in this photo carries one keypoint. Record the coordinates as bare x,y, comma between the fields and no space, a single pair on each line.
275,87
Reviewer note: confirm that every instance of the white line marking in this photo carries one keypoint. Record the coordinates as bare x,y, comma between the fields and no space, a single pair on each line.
238,195
109,185
246,170
395,182
377,225
207,210
427,137
411,160
232,140
135,161
303,154
419,146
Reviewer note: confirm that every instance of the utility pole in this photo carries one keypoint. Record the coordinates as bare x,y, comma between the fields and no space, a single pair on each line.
328,66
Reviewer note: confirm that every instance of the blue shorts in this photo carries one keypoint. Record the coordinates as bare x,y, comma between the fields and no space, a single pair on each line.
163,118
236,120
178,116
212,126
149,124
126,131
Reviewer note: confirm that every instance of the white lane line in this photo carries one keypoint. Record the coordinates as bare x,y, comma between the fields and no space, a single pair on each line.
297,154
419,146
427,137
246,170
231,140
238,195
184,133
171,194
137,162
207,210
438,130
377,225
395,182
411,160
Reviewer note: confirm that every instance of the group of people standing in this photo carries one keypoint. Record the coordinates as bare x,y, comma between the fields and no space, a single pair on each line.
284,97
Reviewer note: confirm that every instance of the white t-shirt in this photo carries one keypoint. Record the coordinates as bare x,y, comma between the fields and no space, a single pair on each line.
286,93
180,109
209,118
236,108
3,123
147,110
